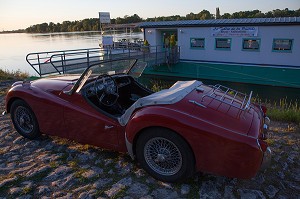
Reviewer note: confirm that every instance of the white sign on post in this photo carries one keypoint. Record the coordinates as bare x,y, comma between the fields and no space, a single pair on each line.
104,17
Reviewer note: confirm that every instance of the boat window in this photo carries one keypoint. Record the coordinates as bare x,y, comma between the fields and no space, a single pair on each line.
251,44
197,43
223,44
282,45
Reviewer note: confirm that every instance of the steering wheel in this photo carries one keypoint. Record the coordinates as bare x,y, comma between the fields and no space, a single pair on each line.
106,90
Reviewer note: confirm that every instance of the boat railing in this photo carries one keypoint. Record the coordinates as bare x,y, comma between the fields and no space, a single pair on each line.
74,61
229,96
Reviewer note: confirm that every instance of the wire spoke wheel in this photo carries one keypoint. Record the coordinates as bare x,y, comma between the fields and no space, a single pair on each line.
163,156
24,119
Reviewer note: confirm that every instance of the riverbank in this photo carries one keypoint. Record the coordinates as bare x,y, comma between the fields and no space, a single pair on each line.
52,167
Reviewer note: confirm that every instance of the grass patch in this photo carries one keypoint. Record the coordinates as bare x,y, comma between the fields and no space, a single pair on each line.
12,75
285,111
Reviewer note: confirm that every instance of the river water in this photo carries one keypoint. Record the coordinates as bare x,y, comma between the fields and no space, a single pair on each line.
15,47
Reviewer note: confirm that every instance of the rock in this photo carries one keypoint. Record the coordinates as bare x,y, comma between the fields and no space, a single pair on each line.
83,157
43,190
209,190
281,175
147,197
15,191
25,197
228,192
251,194
101,183
293,185
93,172
27,184
137,190
81,188
119,186
125,181
68,181
6,181
37,171
296,175
259,179
271,191
4,133
85,195
185,189
140,173
19,140
68,196
60,172
164,193
114,190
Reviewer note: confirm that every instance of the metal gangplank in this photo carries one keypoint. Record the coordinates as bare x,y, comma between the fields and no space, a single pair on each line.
75,61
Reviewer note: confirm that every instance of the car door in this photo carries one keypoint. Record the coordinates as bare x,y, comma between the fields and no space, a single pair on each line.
86,125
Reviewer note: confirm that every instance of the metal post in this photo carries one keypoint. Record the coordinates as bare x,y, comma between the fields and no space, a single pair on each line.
156,55
62,63
88,58
38,56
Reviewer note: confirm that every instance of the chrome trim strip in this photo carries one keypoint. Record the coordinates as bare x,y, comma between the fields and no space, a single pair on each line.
194,102
258,145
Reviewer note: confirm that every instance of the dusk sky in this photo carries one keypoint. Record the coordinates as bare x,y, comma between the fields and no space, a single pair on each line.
20,14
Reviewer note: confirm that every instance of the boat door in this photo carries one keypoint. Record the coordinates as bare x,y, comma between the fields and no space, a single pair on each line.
166,38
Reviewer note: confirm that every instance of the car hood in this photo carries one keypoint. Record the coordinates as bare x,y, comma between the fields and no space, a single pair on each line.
56,83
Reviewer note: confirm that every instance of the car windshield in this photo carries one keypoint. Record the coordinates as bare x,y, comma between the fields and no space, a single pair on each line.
132,67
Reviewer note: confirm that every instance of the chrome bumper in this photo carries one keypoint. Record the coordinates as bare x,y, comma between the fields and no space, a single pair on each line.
267,159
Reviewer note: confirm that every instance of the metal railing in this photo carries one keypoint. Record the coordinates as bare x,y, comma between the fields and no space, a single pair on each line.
72,61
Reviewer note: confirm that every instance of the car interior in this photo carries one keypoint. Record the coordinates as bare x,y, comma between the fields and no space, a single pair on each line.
113,95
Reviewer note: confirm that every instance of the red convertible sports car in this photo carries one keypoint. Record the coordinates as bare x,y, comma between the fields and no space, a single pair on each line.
172,133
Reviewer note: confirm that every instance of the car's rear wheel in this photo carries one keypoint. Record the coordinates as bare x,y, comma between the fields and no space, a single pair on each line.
164,155
24,119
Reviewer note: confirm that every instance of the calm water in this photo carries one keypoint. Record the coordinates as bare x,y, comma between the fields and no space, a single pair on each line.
15,47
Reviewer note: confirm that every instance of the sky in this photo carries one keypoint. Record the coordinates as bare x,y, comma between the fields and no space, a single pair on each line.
20,14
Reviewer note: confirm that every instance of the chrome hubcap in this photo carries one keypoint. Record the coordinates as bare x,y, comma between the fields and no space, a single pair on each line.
23,119
163,156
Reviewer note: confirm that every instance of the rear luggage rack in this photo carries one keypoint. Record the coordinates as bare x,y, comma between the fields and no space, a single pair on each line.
229,96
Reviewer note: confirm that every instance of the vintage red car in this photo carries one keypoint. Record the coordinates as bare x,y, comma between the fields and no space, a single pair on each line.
172,133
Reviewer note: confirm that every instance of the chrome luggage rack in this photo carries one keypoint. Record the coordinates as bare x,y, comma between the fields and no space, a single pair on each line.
229,96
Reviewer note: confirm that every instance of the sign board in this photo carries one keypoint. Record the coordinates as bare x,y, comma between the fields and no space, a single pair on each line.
104,17
241,31
107,40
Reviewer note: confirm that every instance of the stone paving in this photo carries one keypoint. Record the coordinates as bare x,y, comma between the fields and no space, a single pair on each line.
52,167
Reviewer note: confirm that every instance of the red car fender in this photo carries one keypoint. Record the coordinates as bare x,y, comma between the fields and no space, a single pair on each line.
216,150
37,99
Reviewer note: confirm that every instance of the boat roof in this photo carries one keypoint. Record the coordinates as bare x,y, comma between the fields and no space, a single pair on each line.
224,22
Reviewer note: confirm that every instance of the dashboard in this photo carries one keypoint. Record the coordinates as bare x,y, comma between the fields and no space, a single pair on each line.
106,83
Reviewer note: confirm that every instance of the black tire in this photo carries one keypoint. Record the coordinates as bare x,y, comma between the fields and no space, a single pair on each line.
24,120
165,155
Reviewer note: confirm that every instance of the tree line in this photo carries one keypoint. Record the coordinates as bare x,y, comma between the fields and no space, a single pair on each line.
92,24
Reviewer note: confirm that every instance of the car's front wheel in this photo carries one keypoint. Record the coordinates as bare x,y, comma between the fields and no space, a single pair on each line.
24,119
164,155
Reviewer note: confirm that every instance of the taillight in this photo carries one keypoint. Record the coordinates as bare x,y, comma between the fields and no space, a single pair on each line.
264,109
